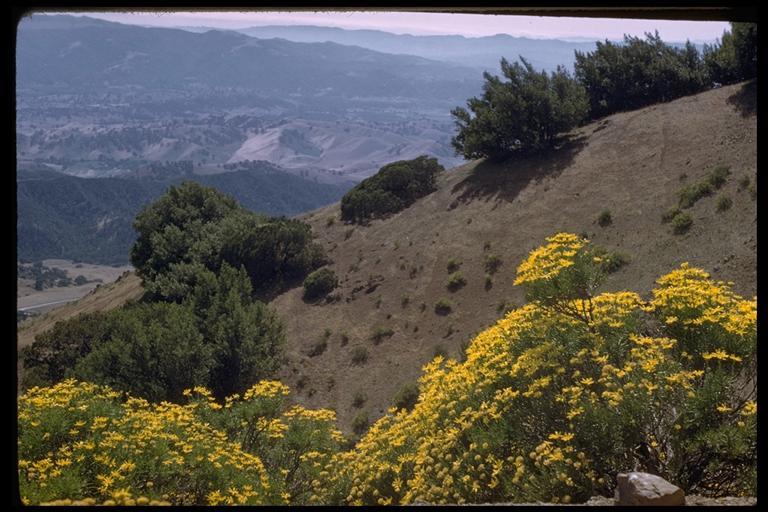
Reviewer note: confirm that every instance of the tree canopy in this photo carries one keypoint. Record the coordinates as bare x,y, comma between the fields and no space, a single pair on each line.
194,225
523,113
394,187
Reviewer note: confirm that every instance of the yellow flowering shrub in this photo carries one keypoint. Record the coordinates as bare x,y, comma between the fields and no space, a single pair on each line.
572,388
85,444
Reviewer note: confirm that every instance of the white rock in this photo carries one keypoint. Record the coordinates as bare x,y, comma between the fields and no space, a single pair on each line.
646,489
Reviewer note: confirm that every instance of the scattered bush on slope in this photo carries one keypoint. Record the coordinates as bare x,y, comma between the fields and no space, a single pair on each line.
395,187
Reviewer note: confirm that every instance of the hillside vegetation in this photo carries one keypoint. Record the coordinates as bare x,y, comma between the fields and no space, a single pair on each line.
550,403
394,272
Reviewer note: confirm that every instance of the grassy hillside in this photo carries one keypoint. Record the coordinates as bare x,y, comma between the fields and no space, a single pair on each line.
630,163
392,272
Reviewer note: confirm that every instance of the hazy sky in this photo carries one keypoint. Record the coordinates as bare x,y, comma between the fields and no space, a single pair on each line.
471,25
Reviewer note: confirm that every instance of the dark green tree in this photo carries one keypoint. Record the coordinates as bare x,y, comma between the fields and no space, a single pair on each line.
246,335
170,229
734,58
522,114
193,226
638,72
394,187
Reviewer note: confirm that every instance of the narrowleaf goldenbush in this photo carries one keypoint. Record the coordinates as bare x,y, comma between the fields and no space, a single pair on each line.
549,404
572,388
83,443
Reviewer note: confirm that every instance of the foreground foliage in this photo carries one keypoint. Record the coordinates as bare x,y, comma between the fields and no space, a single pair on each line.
549,405
218,336
87,443
562,394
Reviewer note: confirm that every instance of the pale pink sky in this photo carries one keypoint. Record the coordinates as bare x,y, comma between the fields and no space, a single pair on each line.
470,25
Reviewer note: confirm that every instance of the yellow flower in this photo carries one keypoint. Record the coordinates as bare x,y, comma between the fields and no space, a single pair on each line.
749,408
723,408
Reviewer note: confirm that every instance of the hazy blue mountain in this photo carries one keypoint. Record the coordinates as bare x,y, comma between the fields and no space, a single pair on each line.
71,52
483,52
61,216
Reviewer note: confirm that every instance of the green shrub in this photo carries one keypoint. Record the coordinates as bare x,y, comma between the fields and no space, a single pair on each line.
192,225
744,182
453,265
393,188
492,263
360,423
688,195
320,283
359,399
407,396
718,176
630,74
359,355
724,203
611,261
443,307
219,337
604,219
734,58
669,214
456,281
380,333
488,282
318,348
681,223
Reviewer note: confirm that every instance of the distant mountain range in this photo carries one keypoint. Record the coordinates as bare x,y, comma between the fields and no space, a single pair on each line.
71,52
477,52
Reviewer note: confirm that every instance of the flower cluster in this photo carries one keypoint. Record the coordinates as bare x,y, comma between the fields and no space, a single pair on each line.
549,260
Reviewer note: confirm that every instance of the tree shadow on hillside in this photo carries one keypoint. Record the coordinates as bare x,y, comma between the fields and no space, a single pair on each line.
503,178
745,99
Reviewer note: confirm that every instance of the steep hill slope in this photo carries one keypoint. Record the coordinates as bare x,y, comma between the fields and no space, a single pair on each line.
630,163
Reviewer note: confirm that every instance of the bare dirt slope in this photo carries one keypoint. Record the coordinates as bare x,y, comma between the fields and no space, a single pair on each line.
630,163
